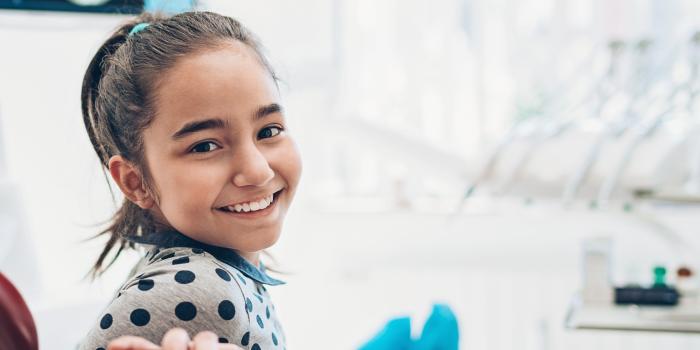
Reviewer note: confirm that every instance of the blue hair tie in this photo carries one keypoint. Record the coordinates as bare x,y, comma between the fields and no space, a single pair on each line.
139,27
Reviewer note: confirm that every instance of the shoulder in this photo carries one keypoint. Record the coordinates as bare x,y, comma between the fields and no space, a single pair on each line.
175,287
189,279
183,269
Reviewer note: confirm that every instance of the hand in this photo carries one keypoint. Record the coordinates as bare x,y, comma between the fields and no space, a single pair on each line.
174,339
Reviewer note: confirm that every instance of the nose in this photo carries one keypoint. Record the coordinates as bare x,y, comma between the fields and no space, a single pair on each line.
252,168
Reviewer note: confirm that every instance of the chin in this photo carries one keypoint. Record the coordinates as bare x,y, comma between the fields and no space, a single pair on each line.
258,243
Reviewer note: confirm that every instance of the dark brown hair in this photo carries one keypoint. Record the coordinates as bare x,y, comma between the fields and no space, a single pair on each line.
118,98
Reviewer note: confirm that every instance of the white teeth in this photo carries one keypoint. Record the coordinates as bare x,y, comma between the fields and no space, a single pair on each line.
252,206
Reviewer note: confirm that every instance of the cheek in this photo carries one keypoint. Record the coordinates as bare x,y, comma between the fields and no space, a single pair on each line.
187,189
288,163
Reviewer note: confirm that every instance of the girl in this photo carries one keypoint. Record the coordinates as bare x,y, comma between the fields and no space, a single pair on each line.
185,114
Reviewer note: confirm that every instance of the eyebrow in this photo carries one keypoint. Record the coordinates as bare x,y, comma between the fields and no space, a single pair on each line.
217,123
199,125
264,111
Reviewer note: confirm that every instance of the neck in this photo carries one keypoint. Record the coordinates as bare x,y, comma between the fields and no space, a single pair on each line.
251,257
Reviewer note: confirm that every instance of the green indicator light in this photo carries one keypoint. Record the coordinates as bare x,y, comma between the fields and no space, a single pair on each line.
659,276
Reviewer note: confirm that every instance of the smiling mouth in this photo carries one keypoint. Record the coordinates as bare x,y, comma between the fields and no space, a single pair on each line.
252,207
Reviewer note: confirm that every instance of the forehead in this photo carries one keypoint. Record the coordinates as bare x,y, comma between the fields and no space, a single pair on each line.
228,81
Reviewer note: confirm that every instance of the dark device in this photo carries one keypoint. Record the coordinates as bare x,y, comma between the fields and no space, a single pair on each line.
93,6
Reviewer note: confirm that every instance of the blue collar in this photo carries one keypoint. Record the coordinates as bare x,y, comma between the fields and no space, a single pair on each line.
170,239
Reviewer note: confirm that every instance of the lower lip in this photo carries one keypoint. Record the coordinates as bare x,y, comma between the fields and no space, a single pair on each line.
257,213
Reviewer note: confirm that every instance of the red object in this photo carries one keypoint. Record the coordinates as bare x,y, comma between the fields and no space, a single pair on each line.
17,330
684,272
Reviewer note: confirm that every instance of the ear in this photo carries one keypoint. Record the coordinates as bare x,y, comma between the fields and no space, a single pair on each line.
130,181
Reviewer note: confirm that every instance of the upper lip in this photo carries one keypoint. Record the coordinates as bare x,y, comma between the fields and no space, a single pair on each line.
255,199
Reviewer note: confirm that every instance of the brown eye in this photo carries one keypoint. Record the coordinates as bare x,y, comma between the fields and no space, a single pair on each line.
270,131
204,147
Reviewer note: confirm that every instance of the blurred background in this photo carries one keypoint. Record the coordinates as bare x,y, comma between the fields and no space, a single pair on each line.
515,159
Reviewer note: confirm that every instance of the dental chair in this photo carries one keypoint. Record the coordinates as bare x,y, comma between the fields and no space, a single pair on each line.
17,329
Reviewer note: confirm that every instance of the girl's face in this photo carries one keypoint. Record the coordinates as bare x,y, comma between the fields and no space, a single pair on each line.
218,143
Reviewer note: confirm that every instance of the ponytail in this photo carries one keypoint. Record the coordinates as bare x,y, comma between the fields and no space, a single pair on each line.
90,89
130,218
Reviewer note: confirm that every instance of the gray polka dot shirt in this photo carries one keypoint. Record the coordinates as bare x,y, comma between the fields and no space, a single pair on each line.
185,283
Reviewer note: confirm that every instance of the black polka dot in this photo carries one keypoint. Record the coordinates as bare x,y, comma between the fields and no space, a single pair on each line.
140,317
255,347
181,260
274,339
184,277
246,339
155,252
267,312
185,311
145,284
223,340
223,274
248,305
167,256
226,310
258,296
106,321
260,322
241,278
197,251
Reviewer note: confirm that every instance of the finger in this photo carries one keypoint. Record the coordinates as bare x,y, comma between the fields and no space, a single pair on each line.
129,342
175,339
205,341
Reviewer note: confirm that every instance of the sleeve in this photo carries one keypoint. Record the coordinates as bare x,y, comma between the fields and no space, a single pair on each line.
191,292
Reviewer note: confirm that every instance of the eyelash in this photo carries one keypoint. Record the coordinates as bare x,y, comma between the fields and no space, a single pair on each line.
279,128
192,150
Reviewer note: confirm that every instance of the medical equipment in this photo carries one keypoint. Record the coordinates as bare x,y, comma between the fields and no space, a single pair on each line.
549,127
556,122
614,128
17,329
97,6
649,127
661,306
101,6
657,295
596,271
641,101
638,100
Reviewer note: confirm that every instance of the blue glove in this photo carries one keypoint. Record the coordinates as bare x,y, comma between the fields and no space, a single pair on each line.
396,335
440,332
